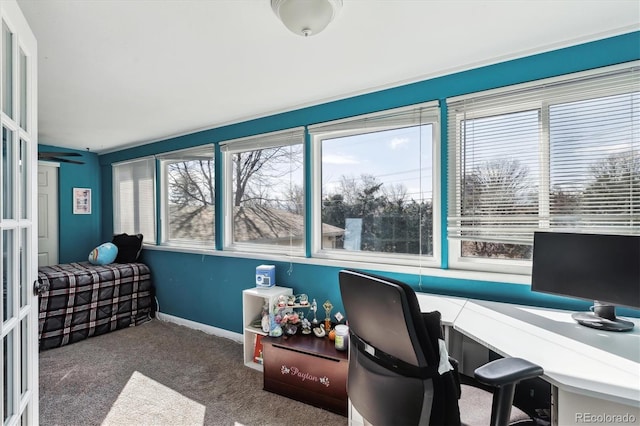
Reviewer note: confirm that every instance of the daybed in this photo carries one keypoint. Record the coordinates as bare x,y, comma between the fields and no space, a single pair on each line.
80,300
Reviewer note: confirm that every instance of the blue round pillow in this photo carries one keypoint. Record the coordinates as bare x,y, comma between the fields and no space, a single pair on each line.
103,254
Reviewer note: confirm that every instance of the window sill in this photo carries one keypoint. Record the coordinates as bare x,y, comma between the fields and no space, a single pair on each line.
510,278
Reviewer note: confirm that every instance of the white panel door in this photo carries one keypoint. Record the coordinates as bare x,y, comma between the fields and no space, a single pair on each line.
47,214
18,217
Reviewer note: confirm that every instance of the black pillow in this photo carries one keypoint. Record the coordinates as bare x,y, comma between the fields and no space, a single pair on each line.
129,247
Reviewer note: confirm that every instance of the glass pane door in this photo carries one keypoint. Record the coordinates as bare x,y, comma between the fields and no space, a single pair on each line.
18,267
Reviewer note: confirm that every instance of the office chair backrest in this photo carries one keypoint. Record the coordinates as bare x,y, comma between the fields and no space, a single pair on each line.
385,314
392,360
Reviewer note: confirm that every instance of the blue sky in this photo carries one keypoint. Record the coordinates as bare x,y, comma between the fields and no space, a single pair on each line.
394,157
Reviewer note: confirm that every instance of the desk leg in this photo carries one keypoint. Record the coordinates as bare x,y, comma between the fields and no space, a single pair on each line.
574,409
454,340
554,406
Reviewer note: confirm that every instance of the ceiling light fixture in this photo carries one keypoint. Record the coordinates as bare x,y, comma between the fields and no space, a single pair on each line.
306,17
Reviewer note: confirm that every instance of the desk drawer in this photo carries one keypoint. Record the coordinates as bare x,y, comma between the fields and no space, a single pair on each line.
307,377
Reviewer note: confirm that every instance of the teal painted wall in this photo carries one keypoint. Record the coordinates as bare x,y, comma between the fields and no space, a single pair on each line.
78,234
207,289
106,199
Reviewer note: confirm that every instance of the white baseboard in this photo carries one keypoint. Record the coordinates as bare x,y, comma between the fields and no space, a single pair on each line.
220,332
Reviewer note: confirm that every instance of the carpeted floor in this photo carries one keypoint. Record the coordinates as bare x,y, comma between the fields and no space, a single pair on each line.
162,374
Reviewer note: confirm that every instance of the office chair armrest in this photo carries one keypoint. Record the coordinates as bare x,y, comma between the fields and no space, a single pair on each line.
504,374
506,371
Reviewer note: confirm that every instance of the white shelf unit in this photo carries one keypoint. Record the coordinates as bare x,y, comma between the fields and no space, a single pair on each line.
253,300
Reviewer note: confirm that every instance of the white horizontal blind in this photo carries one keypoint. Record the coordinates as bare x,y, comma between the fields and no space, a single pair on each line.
204,153
558,154
266,140
402,117
134,209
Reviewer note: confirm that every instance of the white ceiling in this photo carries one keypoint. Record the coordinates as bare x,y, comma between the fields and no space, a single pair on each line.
120,73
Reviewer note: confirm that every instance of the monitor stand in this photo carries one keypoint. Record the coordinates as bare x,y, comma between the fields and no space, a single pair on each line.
603,317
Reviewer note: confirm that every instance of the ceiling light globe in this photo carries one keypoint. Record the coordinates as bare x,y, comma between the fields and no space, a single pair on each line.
306,17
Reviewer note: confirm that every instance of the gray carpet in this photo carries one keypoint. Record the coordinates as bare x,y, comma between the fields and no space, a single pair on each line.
162,374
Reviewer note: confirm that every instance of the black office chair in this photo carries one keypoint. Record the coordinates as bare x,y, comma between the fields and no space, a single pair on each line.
394,360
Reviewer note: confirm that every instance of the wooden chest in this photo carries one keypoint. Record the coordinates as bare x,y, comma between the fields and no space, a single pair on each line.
307,369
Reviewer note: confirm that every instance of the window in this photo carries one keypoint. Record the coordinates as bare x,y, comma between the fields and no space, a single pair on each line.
264,192
558,154
188,196
375,187
134,210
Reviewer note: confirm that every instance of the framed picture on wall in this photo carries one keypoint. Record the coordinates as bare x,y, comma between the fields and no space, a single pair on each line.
81,201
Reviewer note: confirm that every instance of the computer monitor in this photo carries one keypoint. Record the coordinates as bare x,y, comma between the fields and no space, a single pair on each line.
598,267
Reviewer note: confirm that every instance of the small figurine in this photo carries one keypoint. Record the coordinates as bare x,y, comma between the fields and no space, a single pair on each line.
306,326
282,301
327,320
314,309
304,300
264,323
274,328
319,331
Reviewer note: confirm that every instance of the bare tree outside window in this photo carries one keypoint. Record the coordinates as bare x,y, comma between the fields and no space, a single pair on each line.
267,176
615,186
565,165
498,189
595,163
191,200
268,197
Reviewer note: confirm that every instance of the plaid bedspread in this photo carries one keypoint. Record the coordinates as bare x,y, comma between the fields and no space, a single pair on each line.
87,300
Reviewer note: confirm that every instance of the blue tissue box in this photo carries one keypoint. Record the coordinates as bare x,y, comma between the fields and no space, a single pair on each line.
265,276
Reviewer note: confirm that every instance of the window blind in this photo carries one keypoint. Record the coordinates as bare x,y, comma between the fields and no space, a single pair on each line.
134,198
556,154
204,153
401,117
267,140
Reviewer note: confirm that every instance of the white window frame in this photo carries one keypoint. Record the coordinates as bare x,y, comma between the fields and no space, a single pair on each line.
116,201
251,143
507,266
514,266
431,116
164,160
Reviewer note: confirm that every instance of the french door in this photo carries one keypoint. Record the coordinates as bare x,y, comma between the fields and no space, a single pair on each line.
18,236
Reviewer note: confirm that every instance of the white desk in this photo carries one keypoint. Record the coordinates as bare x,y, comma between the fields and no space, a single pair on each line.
449,307
592,372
